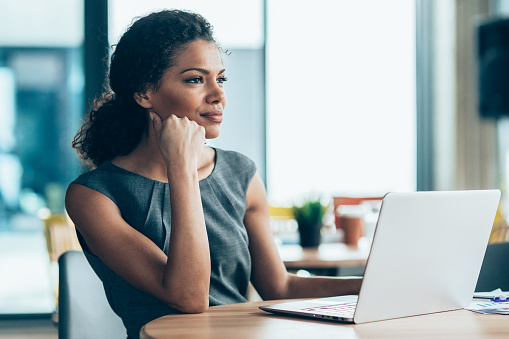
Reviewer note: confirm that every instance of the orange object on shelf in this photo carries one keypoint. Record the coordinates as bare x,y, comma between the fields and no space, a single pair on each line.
338,201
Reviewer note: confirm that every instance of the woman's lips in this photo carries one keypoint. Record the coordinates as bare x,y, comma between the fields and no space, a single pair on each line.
216,116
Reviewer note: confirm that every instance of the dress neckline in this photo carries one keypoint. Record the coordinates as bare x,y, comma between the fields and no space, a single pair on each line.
120,169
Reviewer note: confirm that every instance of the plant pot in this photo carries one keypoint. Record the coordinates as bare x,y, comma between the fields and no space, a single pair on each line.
310,235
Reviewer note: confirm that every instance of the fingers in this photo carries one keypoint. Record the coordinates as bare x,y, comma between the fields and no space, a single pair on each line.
157,123
174,122
181,141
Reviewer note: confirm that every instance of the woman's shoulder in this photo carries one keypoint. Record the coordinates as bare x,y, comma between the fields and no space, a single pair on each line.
233,166
113,182
100,174
105,173
234,158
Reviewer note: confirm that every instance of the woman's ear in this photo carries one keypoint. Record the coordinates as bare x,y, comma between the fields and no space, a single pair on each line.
143,98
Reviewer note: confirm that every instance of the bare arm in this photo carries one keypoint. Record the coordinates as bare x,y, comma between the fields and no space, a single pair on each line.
269,275
180,279
187,272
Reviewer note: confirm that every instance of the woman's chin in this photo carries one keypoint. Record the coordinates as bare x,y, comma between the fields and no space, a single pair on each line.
212,133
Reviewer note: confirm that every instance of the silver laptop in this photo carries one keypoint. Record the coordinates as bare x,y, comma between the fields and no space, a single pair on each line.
425,257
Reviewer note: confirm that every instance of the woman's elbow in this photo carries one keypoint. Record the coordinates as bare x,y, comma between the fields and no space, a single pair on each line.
272,295
189,304
194,308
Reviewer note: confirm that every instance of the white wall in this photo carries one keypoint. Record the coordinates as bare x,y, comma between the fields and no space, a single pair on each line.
237,24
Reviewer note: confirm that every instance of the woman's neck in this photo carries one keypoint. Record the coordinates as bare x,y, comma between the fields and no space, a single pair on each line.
146,160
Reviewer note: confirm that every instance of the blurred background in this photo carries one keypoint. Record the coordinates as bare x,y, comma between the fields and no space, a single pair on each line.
327,97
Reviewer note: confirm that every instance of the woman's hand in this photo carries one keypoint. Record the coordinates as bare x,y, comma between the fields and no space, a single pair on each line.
181,141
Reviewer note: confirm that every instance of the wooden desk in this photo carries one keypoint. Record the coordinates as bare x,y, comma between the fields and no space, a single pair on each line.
247,321
331,255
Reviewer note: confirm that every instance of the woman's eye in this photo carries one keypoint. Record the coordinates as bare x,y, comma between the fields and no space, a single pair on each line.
222,80
196,80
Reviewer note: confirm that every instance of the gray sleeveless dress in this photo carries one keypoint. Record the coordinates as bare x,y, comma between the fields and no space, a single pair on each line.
145,205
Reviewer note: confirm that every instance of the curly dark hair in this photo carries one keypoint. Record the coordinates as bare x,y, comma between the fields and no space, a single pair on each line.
116,123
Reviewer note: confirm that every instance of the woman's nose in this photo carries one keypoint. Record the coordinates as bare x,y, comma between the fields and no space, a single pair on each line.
216,94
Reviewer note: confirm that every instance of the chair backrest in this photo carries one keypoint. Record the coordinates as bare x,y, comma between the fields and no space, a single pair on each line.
495,268
83,310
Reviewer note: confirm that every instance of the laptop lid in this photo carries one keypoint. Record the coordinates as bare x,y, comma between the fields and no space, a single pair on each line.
425,257
426,253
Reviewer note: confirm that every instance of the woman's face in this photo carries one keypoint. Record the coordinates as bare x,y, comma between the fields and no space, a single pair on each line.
193,88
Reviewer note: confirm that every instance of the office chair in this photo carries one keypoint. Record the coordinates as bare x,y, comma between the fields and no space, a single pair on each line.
495,268
83,310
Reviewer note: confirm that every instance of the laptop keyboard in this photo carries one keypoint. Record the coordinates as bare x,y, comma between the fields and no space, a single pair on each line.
340,310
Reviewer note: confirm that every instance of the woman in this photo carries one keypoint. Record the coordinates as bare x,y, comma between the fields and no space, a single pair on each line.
169,224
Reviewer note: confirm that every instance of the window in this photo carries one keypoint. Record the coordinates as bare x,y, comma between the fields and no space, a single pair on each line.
41,89
340,98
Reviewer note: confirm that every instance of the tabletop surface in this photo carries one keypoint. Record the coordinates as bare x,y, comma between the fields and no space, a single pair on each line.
325,256
247,321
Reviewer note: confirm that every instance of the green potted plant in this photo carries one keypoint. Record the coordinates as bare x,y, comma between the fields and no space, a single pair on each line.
309,217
